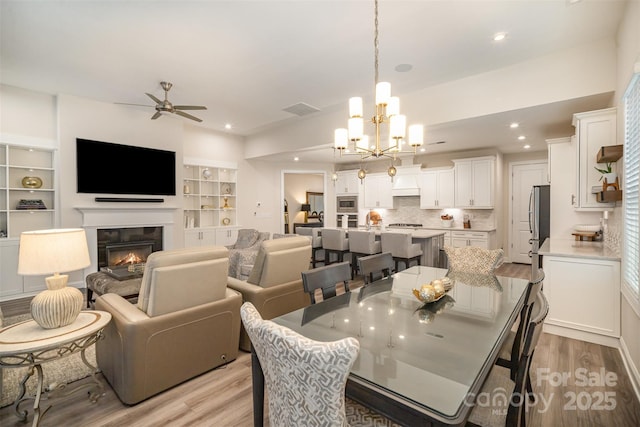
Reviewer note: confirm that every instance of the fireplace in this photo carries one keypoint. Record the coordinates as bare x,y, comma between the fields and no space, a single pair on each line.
123,251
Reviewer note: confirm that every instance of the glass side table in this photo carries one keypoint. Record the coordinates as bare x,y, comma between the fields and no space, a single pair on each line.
26,344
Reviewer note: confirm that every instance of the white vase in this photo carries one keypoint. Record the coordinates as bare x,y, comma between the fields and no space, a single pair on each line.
58,305
610,177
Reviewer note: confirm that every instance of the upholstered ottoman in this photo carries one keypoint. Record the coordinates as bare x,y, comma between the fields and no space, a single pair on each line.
102,283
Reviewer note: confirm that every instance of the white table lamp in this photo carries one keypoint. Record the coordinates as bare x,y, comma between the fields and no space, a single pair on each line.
52,252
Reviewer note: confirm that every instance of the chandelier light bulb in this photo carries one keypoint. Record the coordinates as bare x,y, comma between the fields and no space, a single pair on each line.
341,138
356,128
398,126
383,93
393,107
416,135
355,107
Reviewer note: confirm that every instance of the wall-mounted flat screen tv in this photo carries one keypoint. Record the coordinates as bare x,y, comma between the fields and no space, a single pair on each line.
108,168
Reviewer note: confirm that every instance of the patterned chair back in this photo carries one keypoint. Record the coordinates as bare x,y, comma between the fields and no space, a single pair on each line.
316,371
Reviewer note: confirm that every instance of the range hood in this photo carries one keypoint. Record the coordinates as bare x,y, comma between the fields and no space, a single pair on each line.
405,183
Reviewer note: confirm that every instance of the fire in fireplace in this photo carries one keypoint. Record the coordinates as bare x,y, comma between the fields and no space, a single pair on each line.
130,253
127,249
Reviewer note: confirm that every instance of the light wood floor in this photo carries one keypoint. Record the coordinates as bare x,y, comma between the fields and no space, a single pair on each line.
222,397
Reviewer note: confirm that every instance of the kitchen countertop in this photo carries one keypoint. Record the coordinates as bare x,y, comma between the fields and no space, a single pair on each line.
577,249
483,229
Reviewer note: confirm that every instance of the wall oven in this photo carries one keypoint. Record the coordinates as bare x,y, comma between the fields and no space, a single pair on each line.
347,204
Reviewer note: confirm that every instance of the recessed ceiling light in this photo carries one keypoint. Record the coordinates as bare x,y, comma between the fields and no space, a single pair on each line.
526,147
295,159
497,37
227,126
522,137
422,150
514,125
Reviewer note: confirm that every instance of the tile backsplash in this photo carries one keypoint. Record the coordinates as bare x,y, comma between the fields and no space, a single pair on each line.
407,210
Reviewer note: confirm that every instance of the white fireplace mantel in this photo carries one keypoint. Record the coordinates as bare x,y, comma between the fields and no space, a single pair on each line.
94,217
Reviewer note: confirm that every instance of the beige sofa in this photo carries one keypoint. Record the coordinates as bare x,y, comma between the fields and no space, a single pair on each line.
274,286
186,322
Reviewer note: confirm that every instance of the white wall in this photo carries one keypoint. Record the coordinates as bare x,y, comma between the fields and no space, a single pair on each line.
628,63
26,113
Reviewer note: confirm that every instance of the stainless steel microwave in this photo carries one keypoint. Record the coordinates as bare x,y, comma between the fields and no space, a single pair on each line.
347,204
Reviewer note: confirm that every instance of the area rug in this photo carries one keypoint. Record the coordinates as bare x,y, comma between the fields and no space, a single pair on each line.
67,369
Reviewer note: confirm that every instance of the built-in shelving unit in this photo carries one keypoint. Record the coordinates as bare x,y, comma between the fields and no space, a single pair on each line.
26,204
210,203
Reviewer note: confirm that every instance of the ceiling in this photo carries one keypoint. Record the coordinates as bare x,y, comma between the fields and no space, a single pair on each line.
249,60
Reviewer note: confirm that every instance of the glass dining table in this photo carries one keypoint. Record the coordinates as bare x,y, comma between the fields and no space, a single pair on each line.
419,364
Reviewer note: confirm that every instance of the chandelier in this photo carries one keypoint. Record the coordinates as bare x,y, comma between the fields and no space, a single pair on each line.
387,111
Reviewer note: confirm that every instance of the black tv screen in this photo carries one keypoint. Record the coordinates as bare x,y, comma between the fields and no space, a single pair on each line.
107,168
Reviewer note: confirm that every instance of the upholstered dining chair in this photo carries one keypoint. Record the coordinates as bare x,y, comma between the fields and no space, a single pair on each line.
313,233
326,279
376,267
362,243
499,386
401,247
305,379
334,242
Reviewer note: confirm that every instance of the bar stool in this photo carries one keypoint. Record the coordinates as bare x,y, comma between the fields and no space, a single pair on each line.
401,247
313,233
362,243
334,241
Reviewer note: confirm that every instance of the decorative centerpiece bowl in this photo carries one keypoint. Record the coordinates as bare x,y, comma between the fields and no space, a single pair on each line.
434,290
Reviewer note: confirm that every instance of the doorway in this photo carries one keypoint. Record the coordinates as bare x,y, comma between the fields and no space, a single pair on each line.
296,185
524,175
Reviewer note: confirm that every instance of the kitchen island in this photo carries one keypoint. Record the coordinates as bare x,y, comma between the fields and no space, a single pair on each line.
582,284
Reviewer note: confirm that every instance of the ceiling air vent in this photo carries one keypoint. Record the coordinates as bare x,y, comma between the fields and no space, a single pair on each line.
301,109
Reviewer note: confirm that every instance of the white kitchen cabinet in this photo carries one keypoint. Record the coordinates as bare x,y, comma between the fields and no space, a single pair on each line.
583,294
481,239
377,191
474,181
347,183
594,129
437,189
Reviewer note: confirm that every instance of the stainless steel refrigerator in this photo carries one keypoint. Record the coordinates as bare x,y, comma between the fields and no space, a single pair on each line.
539,224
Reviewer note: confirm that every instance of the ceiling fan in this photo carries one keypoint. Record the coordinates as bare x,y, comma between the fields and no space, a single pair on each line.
167,107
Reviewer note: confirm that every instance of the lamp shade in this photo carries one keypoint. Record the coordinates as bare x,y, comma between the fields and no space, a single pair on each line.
306,207
53,251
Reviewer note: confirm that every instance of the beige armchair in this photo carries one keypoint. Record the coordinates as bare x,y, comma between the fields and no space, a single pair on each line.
186,322
274,286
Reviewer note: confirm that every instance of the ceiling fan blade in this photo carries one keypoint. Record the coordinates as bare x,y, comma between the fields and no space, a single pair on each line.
188,116
154,98
189,107
156,115
137,105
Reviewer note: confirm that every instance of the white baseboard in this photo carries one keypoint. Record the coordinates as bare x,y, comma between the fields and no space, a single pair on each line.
582,335
632,369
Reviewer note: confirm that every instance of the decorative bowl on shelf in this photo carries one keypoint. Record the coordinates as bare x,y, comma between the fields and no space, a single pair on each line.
226,221
31,182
